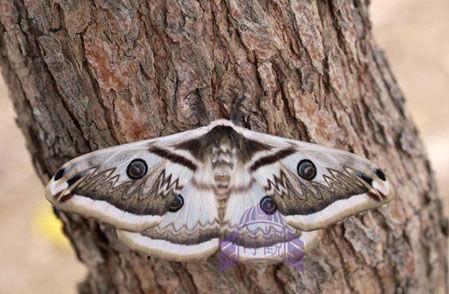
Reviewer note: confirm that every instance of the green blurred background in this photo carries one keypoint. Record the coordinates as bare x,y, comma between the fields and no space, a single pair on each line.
34,256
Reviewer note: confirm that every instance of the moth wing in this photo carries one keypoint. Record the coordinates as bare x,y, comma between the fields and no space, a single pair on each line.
188,234
98,184
344,184
248,233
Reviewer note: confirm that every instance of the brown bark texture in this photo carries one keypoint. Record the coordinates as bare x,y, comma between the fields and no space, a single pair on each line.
87,74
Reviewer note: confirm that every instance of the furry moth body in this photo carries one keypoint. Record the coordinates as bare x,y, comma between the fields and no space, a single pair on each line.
177,196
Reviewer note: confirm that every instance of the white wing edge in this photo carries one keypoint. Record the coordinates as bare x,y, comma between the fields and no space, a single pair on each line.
105,212
166,249
334,212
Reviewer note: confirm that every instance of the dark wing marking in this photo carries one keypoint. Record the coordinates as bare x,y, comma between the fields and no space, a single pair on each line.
271,158
173,157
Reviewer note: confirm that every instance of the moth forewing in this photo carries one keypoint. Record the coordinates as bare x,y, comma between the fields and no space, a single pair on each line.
338,183
349,185
98,185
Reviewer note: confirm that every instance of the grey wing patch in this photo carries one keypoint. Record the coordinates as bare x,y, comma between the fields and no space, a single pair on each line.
297,196
150,195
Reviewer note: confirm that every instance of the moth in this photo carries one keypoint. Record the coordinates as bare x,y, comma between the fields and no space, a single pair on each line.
178,197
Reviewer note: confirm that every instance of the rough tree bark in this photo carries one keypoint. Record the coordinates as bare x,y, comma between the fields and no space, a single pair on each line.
88,74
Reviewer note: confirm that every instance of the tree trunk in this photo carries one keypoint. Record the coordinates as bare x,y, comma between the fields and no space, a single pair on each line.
85,75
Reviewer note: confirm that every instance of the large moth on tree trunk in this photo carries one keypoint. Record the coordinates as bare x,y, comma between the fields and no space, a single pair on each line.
177,197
